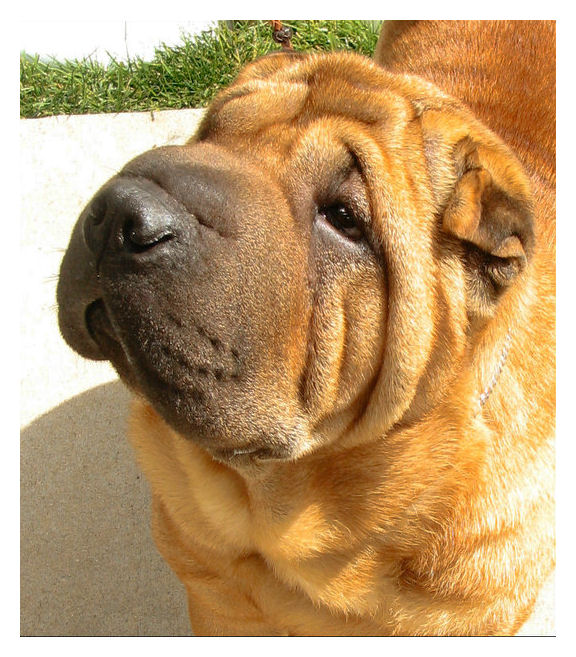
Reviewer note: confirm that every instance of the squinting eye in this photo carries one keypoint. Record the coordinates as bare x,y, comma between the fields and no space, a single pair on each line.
342,219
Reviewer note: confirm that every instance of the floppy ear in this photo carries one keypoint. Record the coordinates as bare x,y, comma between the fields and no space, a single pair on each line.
489,210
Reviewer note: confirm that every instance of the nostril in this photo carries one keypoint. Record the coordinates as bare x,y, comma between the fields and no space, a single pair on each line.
131,216
94,227
96,211
139,235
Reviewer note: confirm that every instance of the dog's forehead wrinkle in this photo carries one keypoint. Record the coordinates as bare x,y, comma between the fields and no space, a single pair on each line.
317,167
303,92
257,104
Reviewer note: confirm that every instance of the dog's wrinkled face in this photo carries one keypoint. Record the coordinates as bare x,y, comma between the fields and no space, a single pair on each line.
267,287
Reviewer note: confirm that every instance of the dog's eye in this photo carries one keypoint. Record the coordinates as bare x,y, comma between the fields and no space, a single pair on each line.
343,220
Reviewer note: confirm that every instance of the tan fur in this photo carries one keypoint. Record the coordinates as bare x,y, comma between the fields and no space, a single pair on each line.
410,510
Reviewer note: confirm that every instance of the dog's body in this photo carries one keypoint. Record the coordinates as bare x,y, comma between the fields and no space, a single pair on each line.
346,388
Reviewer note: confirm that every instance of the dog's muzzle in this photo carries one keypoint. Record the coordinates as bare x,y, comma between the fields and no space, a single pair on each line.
134,226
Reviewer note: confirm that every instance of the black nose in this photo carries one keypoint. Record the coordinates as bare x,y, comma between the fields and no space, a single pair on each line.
131,215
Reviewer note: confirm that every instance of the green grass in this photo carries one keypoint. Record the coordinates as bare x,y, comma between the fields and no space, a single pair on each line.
187,75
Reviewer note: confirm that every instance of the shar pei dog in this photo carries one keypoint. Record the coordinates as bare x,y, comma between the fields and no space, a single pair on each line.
335,308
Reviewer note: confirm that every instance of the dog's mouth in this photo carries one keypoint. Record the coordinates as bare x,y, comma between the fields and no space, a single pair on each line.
147,351
98,322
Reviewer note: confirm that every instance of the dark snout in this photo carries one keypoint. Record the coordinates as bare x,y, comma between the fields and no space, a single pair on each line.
131,225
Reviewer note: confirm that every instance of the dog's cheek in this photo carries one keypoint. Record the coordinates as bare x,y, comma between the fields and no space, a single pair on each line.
347,331
365,313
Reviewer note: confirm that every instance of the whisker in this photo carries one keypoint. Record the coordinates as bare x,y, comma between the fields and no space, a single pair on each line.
113,170
51,278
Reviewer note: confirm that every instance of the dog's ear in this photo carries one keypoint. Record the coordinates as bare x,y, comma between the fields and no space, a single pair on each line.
487,206
490,209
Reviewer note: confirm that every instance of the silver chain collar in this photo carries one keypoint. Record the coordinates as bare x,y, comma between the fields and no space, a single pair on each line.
498,370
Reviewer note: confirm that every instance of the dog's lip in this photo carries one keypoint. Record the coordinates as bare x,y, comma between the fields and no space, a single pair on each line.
97,320
250,454
100,329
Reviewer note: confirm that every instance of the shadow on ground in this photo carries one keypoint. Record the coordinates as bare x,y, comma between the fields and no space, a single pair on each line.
88,563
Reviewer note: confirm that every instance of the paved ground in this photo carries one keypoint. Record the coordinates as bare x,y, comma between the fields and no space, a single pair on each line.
88,564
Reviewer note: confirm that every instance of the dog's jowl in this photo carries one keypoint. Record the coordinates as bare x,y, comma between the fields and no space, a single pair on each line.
335,308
